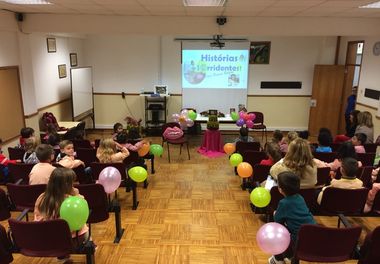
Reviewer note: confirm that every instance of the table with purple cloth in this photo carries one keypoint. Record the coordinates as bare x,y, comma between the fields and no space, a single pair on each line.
212,144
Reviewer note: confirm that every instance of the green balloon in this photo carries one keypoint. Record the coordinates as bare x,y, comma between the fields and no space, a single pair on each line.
260,197
156,149
74,210
192,115
236,159
138,174
234,116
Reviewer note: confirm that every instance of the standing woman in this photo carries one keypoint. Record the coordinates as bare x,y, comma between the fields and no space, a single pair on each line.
365,125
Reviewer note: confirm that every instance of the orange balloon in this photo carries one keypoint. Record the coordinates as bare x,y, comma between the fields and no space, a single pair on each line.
182,119
144,150
229,148
245,170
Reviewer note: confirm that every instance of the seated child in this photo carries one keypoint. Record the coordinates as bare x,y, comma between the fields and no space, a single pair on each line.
52,137
273,152
324,140
372,193
30,156
346,150
304,134
25,133
4,161
107,152
59,187
292,135
348,169
117,128
291,211
41,172
67,155
277,136
358,140
244,137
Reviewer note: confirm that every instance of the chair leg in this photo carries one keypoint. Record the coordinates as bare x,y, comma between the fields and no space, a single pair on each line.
152,164
134,196
243,184
168,151
119,230
188,152
146,184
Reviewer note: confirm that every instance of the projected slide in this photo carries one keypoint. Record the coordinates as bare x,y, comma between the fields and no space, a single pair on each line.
215,69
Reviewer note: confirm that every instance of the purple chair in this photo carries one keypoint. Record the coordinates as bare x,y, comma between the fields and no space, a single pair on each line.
370,147
259,124
343,201
4,206
180,141
25,196
260,173
366,159
97,201
20,172
82,177
325,156
16,153
83,143
87,155
365,176
325,244
369,252
253,157
241,147
323,176
5,247
35,239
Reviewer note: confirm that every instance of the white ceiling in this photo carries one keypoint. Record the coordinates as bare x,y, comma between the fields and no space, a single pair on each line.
233,8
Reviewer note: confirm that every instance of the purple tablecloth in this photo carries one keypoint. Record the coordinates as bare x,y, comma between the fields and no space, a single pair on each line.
212,144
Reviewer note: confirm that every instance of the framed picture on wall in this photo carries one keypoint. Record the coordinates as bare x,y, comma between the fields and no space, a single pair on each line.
73,60
259,52
62,71
51,45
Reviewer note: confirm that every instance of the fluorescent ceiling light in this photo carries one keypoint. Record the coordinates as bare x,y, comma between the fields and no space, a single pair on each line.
27,2
372,5
204,2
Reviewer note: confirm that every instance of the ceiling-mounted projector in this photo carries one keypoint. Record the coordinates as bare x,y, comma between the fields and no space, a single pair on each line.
218,42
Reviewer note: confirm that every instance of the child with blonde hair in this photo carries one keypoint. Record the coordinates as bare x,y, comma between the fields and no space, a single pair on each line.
67,155
273,152
107,152
30,156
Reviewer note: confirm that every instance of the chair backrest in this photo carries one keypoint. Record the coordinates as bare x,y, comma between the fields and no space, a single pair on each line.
253,157
4,206
366,159
81,143
170,124
365,176
275,197
335,146
16,153
87,155
20,171
325,156
82,177
259,117
376,203
133,159
370,147
25,196
260,172
371,245
50,238
244,146
323,176
97,167
310,197
97,201
325,244
70,134
344,201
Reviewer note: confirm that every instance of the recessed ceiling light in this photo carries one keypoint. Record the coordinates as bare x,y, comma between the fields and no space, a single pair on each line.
27,2
372,5
204,2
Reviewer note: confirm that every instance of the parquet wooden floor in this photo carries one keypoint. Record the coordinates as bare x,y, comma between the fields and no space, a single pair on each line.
192,212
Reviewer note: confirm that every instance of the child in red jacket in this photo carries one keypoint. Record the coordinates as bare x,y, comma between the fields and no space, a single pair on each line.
4,161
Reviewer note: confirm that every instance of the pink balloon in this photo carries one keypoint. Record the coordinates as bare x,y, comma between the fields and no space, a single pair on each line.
189,123
273,238
110,178
252,116
175,117
241,114
184,113
249,123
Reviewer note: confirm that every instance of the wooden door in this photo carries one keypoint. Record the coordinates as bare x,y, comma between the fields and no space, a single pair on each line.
326,98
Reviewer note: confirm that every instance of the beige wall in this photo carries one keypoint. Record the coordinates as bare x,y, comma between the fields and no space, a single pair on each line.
285,113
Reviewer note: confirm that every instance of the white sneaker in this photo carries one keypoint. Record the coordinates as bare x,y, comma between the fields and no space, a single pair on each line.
272,260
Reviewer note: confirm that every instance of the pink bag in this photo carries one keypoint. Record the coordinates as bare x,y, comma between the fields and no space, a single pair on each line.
173,133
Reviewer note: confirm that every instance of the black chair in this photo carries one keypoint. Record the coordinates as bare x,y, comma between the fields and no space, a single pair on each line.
4,206
16,153
370,147
254,157
99,207
366,159
259,124
35,239
325,156
81,143
325,244
369,252
241,147
87,155
323,176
